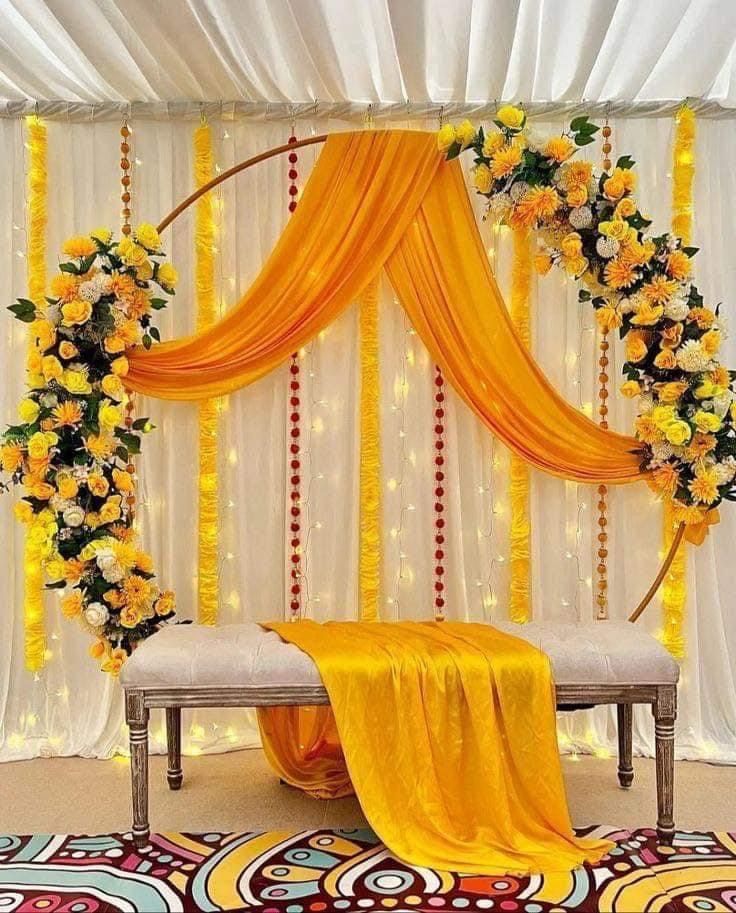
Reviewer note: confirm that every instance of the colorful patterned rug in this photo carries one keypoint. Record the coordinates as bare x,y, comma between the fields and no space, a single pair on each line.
348,871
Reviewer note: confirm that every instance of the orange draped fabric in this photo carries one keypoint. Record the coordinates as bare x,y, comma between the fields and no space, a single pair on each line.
387,198
448,731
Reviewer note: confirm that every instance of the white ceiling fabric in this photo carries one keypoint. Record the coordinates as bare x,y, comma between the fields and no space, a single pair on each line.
380,51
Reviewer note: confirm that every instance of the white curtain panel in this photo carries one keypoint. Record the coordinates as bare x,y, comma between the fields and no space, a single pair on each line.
73,708
93,51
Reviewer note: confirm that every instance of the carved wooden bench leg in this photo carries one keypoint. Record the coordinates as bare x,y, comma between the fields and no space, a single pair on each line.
174,773
136,715
625,726
665,711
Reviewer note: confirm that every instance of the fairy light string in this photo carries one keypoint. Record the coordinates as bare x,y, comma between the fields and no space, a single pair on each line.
295,463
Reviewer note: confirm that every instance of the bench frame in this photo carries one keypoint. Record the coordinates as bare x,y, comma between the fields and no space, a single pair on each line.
139,701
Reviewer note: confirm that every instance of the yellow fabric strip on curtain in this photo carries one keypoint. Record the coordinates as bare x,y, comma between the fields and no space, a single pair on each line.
370,455
472,781
387,197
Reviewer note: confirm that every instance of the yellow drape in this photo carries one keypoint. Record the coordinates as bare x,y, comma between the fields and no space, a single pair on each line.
33,602
204,241
674,589
370,455
387,198
520,533
453,755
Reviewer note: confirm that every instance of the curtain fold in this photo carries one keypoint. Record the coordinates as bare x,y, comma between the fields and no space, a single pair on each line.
386,198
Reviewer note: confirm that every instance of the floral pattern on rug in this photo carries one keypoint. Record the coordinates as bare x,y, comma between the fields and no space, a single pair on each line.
348,871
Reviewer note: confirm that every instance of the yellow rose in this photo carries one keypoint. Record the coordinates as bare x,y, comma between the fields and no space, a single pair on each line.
131,253
707,389
98,485
511,117
167,276
465,133
71,605
112,386
711,342
577,195
110,510
23,511
75,312
51,367
109,416
636,347
576,266
492,143
122,480
482,178
648,315
571,244
707,421
103,235
38,445
67,350
678,432
613,188
44,333
630,389
33,361
625,208
445,137
98,649
542,263
663,415
166,603
76,382
79,246
666,360
608,318
616,229
120,366
55,568
147,235
28,410
67,487
671,392
114,344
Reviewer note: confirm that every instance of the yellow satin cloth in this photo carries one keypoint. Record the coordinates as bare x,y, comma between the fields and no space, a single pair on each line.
387,199
449,738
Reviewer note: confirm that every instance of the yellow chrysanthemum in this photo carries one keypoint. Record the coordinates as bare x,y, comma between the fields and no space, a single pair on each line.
67,413
64,286
559,148
502,163
618,274
659,290
79,246
538,204
704,487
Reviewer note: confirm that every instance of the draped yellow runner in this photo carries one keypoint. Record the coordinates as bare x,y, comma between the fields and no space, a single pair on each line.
387,198
448,733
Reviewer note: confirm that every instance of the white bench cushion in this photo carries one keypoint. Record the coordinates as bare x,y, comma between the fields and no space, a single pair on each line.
245,654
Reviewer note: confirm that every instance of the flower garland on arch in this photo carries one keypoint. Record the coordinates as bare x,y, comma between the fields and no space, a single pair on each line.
590,225
71,451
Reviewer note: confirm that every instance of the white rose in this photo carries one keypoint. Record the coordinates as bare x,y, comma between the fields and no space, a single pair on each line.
60,504
677,309
96,614
74,515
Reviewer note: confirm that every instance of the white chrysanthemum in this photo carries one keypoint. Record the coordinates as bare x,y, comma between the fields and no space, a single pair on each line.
519,190
691,357
53,314
60,504
676,309
581,217
49,400
662,451
626,306
499,206
112,570
88,291
724,472
96,614
721,324
103,282
607,247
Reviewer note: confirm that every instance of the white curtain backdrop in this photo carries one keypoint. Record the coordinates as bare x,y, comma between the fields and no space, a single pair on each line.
72,708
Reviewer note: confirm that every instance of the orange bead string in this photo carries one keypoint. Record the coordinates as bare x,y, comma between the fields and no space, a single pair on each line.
295,479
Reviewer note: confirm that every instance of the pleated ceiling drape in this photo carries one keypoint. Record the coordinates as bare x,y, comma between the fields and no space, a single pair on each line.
386,198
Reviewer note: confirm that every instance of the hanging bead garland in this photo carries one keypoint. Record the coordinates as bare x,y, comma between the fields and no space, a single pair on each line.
439,495
602,567
125,176
295,479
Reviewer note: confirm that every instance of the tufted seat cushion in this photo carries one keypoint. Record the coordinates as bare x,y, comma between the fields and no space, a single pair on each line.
245,654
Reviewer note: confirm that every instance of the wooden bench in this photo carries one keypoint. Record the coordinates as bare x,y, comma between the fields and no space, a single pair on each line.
243,665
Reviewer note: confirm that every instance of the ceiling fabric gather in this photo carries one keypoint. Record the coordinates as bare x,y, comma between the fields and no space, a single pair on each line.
463,54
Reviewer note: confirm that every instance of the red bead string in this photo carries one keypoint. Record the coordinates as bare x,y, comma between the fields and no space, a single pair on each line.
439,495
295,479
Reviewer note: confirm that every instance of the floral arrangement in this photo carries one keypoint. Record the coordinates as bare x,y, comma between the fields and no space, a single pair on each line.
589,224
72,450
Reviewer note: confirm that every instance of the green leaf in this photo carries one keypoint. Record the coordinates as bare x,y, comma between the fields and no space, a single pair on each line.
23,312
59,585
690,251
583,295
625,162
155,333
158,303
131,441
582,139
147,341
577,123
69,268
453,152
122,454
140,423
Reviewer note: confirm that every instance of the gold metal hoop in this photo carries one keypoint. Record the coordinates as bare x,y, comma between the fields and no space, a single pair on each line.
313,141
